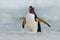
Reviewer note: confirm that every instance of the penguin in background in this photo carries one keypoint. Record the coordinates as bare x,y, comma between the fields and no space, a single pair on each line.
32,21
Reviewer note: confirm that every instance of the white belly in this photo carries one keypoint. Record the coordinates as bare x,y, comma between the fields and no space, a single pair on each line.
31,23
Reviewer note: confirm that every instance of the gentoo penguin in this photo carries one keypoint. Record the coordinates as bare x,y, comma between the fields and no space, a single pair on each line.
32,21
31,10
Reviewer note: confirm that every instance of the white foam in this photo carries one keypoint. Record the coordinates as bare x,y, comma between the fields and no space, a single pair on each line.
30,36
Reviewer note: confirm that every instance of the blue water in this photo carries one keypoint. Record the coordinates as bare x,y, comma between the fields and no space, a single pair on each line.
13,11
11,22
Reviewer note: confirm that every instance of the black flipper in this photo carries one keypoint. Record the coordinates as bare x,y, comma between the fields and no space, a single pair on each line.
23,26
48,25
24,22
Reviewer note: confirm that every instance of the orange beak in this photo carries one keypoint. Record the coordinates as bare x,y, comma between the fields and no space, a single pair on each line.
29,8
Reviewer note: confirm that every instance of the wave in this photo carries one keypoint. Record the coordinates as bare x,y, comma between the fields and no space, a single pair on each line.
21,16
51,17
43,7
10,16
30,36
17,3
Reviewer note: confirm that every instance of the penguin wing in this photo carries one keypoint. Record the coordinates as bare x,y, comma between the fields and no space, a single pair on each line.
41,20
24,22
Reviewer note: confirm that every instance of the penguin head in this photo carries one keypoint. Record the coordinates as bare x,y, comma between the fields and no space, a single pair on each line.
31,9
